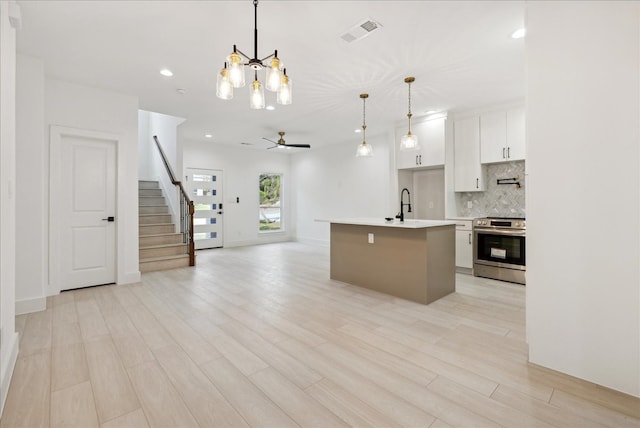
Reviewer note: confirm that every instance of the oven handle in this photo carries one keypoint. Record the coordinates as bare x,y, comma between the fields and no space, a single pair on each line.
500,232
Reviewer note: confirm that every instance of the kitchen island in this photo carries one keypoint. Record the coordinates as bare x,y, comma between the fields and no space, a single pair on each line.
413,260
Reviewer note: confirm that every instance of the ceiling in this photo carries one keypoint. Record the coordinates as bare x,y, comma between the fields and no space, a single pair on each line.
460,52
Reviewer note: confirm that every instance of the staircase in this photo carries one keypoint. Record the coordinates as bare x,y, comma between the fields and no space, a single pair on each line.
160,247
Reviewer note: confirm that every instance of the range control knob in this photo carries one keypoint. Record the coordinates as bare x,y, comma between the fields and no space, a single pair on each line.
516,224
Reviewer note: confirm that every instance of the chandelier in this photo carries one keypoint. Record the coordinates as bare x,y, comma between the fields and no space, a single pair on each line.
232,74
364,149
409,141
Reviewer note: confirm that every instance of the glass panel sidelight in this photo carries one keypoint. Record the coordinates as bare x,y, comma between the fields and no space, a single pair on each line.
203,177
203,221
205,207
205,235
204,192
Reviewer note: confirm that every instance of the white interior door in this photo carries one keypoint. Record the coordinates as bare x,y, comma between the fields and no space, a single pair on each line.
204,187
88,206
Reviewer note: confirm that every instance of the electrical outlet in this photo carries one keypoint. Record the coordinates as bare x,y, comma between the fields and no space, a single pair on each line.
371,238
469,204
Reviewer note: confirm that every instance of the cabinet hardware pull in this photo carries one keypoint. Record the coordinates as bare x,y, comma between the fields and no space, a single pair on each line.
469,239
416,159
503,157
508,152
477,183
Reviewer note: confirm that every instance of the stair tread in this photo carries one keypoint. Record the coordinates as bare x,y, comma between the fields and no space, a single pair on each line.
156,224
152,214
161,258
147,247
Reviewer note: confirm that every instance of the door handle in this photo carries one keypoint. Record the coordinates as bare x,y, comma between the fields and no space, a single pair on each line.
109,219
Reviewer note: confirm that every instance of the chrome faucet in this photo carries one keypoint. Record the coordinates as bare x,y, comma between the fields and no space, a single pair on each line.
402,204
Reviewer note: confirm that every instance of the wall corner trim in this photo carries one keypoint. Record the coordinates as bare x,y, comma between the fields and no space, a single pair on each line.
11,342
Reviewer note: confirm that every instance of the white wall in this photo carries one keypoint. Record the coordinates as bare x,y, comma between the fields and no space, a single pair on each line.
31,181
9,339
583,203
330,182
241,168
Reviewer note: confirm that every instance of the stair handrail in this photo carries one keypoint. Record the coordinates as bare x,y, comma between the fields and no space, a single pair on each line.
186,207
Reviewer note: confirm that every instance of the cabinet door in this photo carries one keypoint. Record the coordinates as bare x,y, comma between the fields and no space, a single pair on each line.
516,149
431,138
468,172
493,137
405,158
464,247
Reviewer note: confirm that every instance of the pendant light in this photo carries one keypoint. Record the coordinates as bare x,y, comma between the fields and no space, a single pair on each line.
232,75
409,141
364,149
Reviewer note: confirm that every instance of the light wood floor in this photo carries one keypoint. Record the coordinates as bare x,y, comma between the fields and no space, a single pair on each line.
259,336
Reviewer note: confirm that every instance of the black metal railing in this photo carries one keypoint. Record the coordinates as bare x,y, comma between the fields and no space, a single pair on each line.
186,207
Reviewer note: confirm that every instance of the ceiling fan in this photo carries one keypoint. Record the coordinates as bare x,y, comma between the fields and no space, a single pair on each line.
282,144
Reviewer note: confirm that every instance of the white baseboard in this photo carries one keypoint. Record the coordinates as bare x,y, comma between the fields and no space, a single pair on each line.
27,306
266,239
130,278
9,363
313,241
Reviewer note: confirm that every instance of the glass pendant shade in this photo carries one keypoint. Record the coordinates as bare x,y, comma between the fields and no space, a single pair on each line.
284,95
224,88
274,74
364,150
236,70
256,100
409,142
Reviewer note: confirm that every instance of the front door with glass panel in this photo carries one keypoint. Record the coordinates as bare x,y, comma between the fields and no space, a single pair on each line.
204,187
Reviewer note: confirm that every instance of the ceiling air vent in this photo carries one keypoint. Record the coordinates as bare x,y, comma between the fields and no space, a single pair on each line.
360,31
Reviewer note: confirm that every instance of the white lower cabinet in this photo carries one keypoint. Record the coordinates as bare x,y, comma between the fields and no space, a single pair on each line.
464,244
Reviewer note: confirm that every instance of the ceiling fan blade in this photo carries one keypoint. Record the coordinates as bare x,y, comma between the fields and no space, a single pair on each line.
271,141
302,146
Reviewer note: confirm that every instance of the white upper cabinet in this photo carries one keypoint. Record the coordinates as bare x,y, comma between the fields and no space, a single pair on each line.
431,138
469,173
502,136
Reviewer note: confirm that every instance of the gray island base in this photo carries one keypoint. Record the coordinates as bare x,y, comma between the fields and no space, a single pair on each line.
414,260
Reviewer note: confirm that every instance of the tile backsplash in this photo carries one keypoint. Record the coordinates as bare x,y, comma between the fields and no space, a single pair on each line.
504,200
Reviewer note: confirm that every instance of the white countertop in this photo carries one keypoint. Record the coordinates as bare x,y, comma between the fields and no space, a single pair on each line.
407,224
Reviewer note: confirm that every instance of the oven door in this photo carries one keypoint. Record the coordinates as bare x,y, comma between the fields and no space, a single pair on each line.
501,248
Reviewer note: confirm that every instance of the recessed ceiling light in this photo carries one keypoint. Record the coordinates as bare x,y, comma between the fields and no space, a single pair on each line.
431,111
518,34
271,108
357,131
166,72
208,136
181,91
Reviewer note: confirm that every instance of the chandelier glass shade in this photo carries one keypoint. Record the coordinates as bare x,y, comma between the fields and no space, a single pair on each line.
232,75
364,149
409,141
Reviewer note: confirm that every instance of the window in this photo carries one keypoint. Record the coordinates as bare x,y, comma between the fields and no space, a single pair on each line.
270,203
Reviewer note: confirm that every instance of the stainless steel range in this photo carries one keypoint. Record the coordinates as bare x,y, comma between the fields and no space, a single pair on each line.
499,250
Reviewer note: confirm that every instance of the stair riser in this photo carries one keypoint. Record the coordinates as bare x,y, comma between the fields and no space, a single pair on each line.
151,200
155,219
145,253
163,264
162,209
149,192
142,184
155,229
145,241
